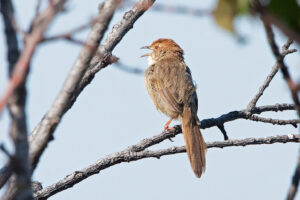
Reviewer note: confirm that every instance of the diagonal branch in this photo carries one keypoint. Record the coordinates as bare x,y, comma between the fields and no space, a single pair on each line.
279,57
285,51
82,73
294,93
295,182
129,156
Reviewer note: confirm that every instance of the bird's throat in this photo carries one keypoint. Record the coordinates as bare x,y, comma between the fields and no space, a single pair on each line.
150,60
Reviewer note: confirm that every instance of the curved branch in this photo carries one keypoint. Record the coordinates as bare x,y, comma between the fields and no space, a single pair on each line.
129,156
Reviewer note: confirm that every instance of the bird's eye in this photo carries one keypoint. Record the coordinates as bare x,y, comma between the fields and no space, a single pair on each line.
156,47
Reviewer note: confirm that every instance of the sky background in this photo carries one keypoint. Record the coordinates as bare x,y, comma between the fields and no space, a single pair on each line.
115,111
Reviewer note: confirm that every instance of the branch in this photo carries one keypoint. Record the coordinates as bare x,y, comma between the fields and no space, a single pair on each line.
129,156
261,90
16,106
294,93
292,122
129,69
244,114
18,99
295,182
15,95
43,133
279,57
69,33
39,26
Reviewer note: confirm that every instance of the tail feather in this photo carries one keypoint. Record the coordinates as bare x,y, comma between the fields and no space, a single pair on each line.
195,145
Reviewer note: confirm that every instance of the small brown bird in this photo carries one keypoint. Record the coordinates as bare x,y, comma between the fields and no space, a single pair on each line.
169,83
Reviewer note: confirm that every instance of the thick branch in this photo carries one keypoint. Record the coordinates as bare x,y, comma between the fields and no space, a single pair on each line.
42,134
20,184
16,106
129,156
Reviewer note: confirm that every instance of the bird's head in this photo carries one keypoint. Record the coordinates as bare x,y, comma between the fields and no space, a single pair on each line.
163,48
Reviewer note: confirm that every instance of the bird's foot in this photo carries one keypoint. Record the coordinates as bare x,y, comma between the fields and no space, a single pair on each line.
167,128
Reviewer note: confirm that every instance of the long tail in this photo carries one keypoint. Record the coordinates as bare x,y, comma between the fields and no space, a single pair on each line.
195,145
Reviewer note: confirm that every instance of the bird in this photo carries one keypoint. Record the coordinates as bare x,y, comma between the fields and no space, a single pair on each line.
169,83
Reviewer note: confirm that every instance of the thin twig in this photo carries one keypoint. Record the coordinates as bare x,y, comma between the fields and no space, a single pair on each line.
129,156
269,78
37,8
129,69
292,122
71,32
275,68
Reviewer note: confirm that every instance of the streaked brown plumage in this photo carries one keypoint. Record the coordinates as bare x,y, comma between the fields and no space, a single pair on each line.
169,83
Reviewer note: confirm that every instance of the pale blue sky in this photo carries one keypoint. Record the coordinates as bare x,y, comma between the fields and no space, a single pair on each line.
115,111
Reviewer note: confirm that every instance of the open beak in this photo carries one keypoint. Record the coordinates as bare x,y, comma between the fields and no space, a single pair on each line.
145,47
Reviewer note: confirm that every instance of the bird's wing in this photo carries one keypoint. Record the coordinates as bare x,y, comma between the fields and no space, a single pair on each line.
168,98
174,83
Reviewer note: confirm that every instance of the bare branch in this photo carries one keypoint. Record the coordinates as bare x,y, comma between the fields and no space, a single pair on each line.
285,51
295,182
19,97
40,24
292,86
292,122
129,156
129,69
206,123
15,95
16,106
244,114
261,90
42,134
70,33
282,65
5,173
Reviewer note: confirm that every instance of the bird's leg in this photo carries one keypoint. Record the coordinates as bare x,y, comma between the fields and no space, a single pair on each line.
166,127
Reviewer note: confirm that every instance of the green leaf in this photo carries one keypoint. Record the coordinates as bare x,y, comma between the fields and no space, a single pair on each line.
225,12
243,6
287,11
